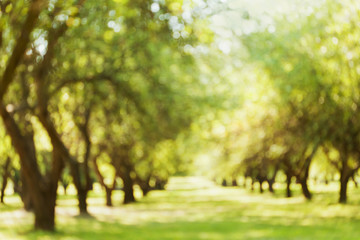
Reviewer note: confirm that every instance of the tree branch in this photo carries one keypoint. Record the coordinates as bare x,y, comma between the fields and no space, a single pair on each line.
21,44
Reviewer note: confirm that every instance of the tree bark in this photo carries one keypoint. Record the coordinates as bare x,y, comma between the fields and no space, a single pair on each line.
261,186
43,189
108,196
128,188
145,191
16,181
20,46
346,172
271,180
62,152
160,184
305,189
82,196
5,176
271,183
144,185
234,182
45,215
123,165
288,184
25,195
343,189
252,184
65,188
3,187
83,169
304,174
100,177
80,188
43,115
354,180
344,179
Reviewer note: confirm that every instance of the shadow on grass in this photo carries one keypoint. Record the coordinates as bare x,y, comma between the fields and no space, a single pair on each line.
207,213
246,228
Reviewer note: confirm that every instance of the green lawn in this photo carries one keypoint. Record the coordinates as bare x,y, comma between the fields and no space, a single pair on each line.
193,208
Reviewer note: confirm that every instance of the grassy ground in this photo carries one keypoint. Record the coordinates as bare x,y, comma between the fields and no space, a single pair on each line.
193,208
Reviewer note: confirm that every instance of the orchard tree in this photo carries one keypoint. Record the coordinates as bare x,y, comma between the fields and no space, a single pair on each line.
311,67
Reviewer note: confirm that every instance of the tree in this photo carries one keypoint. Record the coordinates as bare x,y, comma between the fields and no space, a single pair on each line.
43,192
311,73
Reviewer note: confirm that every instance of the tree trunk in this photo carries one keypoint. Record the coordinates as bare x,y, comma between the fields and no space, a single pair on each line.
25,193
305,188
42,190
59,147
223,183
5,176
44,203
326,181
145,191
144,185
45,218
26,198
261,186
252,184
3,187
271,183
101,180
65,189
288,184
160,184
128,188
355,182
234,182
108,196
271,180
82,195
343,188
23,145
303,176
61,152
346,172
44,209
80,188
16,181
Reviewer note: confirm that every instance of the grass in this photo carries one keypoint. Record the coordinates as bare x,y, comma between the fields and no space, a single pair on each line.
194,208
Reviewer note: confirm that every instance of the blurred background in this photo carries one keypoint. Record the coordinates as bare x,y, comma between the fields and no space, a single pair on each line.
169,117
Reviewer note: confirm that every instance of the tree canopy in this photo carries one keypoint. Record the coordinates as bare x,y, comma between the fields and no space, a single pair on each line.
128,93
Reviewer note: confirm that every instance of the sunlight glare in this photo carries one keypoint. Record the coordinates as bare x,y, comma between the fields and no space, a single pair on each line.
155,7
